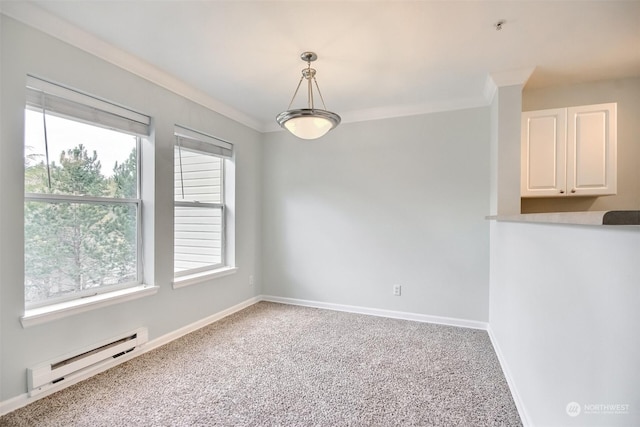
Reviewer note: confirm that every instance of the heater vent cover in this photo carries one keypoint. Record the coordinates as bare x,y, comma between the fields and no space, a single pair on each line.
81,364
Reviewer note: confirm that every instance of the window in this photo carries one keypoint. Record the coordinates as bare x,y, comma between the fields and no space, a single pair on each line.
82,205
200,212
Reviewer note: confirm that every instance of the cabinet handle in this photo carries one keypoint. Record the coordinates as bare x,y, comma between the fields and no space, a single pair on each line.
573,190
561,191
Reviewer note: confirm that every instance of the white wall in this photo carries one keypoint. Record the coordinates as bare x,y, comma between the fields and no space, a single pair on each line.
376,203
504,195
564,314
25,50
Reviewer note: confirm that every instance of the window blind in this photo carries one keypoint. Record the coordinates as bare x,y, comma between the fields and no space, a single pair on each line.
194,140
69,103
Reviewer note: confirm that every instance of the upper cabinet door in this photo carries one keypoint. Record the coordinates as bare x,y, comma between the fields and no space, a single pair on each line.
543,153
591,150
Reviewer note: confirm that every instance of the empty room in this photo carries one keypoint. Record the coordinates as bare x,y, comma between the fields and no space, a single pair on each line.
319,213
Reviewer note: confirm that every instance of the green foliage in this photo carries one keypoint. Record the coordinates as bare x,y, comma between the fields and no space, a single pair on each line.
79,174
72,247
125,177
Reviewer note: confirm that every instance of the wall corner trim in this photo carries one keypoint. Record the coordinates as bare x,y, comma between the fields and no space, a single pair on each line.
505,78
522,411
489,90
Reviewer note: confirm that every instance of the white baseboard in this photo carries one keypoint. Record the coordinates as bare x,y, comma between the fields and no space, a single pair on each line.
522,411
15,403
450,321
24,399
167,338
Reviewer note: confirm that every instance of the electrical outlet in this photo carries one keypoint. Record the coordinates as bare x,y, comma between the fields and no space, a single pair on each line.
397,290
251,281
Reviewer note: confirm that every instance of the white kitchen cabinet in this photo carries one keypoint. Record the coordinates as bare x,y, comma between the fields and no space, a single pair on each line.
569,151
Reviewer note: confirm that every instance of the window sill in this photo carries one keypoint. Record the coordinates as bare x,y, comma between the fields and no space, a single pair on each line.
192,279
40,315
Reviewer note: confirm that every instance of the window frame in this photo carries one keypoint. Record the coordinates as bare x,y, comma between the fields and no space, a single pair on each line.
83,108
223,232
211,146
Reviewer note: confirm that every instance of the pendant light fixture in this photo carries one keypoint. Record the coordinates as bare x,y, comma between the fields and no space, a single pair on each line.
310,122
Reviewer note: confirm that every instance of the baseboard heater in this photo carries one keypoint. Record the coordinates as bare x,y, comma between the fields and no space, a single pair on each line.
75,367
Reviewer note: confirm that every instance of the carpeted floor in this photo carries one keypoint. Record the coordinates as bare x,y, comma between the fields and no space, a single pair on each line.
281,365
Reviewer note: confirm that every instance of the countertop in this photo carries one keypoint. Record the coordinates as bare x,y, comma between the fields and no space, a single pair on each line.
578,218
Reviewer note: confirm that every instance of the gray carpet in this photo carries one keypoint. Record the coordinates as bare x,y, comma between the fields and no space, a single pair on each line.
281,365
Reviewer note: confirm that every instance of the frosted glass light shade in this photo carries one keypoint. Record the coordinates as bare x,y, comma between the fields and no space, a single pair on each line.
308,123
307,127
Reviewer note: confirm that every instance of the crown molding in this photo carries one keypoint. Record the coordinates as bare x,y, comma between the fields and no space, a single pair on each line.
44,21
505,78
396,111
50,24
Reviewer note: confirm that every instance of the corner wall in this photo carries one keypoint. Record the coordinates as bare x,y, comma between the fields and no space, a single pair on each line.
372,204
563,299
504,193
564,318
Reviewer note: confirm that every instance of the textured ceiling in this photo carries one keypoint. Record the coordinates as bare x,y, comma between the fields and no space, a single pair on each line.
376,58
